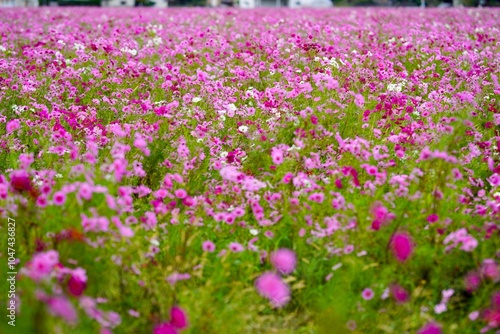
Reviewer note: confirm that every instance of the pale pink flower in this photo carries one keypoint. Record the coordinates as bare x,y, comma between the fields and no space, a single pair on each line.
208,246
61,307
440,308
236,247
271,286
284,260
474,315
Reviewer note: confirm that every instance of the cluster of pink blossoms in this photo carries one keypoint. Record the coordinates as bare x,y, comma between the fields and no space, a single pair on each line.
142,141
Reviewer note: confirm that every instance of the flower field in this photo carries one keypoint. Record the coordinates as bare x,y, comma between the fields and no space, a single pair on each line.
262,171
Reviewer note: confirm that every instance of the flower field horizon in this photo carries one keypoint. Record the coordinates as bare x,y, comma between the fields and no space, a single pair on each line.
250,171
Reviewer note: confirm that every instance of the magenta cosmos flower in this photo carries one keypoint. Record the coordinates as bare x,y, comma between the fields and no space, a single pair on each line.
430,328
284,260
178,318
401,246
164,328
399,294
271,286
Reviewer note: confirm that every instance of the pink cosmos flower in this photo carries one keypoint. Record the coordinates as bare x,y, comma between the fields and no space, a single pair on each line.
401,246
208,246
188,201
61,307
59,198
85,191
76,286
277,156
133,313
495,300
180,193
271,286
236,247
150,219
348,249
42,265
284,260
440,308
21,181
472,281
317,197
492,317
287,178
473,315
172,279
491,270
13,125
381,215
432,218
367,294
399,294
230,173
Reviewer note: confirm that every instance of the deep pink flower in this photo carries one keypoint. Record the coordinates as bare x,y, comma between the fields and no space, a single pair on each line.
430,328
287,178
399,294
164,328
21,181
495,300
271,286
401,246
178,318
492,317
76,286
432,218
188,201
284,260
